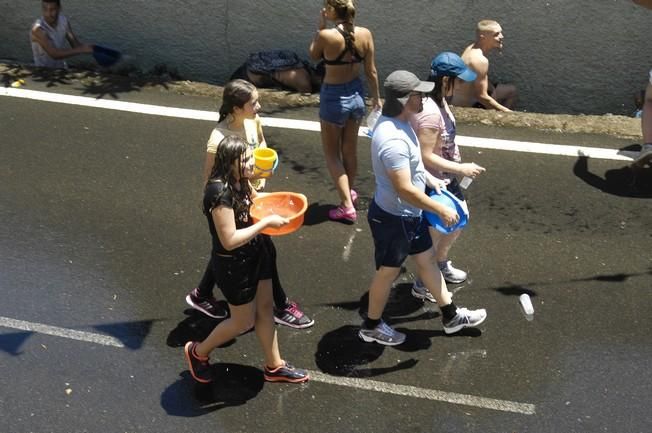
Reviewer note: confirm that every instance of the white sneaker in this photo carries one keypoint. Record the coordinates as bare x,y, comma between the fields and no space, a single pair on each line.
420,291
382,334
451,274
465,318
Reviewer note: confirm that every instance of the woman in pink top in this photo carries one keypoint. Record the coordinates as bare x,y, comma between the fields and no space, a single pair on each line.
435,128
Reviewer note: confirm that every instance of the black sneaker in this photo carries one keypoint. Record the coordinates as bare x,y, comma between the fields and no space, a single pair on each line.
199,367
286,373
292,316
208,306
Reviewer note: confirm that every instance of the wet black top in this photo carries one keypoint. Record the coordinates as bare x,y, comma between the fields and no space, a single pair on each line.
217,194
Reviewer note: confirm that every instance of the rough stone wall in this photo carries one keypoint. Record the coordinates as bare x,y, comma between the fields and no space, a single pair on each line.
566,56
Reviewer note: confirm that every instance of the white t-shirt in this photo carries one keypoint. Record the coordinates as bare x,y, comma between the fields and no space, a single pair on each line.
56,36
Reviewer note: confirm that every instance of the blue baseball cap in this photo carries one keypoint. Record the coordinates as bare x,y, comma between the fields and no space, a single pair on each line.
449,64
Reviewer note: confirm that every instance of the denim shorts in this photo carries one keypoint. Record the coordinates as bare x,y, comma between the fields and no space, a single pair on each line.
396,237
340,102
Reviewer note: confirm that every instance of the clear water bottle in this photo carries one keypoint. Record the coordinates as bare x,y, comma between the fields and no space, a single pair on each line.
465,182
372,118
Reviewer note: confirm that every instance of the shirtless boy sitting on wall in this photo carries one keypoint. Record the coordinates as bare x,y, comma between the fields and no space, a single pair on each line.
481,93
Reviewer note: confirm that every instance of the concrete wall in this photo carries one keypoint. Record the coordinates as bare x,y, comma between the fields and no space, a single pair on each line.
566,56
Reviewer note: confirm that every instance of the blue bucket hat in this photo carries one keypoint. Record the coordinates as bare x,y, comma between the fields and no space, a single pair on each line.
449,64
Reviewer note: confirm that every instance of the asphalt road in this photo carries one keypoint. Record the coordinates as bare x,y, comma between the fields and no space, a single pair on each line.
102,233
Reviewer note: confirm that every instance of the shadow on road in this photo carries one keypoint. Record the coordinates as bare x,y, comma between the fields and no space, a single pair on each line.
94,80
518,289
131,334
623,181
341,353
316,214
11,343
195,327
233,385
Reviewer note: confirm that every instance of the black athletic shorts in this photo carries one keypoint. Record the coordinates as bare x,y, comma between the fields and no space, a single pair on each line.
238,275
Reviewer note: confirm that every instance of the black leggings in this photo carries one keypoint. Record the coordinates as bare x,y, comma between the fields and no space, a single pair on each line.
207,283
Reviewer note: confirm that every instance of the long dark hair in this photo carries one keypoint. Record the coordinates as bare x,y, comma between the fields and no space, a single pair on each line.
232,149
440,90
236,94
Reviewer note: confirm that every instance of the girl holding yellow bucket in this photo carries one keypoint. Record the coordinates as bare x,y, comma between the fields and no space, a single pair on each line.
238,113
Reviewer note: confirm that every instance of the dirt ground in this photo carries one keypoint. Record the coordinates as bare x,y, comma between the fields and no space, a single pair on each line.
106,84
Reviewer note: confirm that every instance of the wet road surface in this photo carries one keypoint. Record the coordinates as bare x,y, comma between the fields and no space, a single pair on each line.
102,233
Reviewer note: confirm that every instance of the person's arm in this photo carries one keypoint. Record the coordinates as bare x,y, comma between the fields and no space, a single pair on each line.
402,183
316,50
371,73
208,166
644,3
211,149
481,85
39,36
431,143
72,38
231,237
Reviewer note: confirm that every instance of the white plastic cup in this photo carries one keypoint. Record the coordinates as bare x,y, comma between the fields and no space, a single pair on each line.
526,304
465,182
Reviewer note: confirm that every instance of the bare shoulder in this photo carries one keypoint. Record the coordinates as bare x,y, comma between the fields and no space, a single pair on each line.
37,32
475,55
477,61
362,32
37,29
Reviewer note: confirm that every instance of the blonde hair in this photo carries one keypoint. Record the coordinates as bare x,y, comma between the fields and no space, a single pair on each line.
486,26
345,10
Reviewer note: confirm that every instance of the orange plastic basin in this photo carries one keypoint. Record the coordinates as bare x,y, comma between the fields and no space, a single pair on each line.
290,205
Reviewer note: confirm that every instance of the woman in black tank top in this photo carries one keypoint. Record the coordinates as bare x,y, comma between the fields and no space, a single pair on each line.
343,49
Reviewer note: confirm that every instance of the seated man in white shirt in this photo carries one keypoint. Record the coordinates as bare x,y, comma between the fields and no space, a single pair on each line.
50,36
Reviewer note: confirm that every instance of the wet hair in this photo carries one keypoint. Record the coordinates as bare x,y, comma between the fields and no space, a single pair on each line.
230,151
236,94
345,11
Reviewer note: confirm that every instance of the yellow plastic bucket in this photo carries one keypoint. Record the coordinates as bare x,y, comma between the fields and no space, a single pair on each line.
265,160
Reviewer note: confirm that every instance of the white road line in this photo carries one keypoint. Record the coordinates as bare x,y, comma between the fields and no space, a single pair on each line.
59,332
423,393
351,382
308,125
